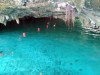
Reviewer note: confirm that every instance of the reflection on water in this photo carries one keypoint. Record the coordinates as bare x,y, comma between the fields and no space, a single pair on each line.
51,51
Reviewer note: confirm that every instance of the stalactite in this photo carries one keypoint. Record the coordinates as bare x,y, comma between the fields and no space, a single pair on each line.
68,15
17,20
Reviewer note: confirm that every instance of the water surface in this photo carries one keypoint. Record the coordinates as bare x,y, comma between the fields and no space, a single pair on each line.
52,51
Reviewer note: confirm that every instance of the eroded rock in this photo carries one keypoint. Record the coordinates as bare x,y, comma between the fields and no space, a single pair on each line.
14,9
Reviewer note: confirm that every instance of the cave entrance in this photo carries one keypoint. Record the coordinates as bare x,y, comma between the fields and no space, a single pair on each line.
43,23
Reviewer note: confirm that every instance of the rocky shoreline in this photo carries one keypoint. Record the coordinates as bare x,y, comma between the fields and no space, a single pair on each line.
90,19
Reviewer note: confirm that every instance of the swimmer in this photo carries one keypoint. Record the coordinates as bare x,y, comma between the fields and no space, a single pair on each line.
24,34
38,29
54,25
47,26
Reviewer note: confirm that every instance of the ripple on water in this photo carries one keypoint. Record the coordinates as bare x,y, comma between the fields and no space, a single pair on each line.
50,52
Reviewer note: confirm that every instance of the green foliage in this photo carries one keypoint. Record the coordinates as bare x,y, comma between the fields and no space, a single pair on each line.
78,23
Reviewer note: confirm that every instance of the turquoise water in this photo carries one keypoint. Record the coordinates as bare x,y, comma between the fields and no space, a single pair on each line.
52,51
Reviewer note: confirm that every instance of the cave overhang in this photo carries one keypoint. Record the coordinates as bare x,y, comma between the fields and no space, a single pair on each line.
17,9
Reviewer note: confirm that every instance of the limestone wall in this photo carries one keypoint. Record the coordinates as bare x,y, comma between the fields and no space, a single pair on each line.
93,4
13,9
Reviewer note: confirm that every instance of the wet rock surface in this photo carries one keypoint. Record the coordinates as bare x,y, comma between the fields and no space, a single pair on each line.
87,10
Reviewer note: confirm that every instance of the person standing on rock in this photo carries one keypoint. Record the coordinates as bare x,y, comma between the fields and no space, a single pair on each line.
25,2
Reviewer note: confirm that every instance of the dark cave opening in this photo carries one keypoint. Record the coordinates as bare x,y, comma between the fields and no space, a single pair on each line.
29,22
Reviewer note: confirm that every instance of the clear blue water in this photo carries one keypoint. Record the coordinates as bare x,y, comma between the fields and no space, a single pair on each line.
52,51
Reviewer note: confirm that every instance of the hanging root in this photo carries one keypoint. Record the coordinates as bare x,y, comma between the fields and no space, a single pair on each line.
70,14
73,16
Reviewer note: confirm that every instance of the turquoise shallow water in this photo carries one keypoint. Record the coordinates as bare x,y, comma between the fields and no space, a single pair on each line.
52,51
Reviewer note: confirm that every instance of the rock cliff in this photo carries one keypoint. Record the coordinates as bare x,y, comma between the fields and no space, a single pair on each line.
88,11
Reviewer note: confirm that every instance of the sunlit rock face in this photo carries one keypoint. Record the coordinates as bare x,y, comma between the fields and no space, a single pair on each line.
93,4
86,10
90,14
18,2
79,4
8,1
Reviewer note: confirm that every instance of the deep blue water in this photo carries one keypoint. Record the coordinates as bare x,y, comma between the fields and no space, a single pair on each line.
52,51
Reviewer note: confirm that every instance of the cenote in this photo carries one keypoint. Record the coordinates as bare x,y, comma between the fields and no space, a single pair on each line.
53,50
